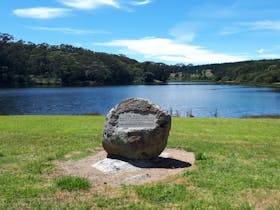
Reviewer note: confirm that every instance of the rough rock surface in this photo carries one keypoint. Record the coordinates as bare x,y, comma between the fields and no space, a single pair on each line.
136,129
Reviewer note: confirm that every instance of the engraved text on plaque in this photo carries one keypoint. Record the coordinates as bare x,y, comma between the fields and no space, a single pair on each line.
134,120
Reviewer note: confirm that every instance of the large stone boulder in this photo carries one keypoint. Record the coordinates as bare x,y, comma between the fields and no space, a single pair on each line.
136,129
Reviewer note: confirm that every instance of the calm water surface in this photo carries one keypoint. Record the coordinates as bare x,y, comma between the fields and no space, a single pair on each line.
203,100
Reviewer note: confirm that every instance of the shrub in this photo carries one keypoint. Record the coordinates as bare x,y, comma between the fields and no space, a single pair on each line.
201,156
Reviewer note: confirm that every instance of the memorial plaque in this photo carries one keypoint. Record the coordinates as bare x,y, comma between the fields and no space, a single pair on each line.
133,120
136,129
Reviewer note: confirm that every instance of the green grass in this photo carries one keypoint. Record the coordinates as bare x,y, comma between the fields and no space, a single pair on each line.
72,183
164,193
237,165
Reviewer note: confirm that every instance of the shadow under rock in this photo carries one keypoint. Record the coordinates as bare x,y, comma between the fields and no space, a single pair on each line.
160,162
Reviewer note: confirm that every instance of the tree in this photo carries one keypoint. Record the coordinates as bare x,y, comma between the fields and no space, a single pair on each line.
148,77
4,38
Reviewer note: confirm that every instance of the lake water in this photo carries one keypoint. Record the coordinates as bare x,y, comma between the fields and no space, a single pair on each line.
200,99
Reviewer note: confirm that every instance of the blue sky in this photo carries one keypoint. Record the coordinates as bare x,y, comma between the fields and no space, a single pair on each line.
177,31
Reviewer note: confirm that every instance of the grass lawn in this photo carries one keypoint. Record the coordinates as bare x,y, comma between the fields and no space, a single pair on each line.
237,165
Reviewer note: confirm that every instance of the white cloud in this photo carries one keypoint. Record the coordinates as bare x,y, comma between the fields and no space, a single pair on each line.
261,50
264,24
41,12
184,37
229,31
68,30
89,4
48,12
269,56
183,32
251,26
94,4
170,51
140,3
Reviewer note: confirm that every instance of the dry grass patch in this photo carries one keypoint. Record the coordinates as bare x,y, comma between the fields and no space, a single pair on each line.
265,199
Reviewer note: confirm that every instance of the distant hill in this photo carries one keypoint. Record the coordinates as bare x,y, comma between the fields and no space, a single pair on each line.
31,64
248,72
28,64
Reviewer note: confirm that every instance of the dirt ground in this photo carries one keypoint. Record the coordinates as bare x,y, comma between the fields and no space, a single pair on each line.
102,170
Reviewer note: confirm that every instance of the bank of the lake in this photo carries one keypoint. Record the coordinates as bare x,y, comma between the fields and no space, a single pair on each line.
250,84
272,85
237,165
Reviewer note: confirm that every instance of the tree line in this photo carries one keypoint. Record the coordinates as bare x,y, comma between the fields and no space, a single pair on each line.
25,63
247,72
28,64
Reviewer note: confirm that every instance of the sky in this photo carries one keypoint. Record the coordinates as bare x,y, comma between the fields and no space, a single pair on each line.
168,31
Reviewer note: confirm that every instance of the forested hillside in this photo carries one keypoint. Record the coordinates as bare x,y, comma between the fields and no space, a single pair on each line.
24,63
250,72
28,64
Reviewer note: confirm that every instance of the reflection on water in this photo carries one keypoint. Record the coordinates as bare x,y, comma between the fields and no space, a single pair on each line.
203,100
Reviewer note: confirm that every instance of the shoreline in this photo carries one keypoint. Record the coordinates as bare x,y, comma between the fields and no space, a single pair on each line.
208,82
